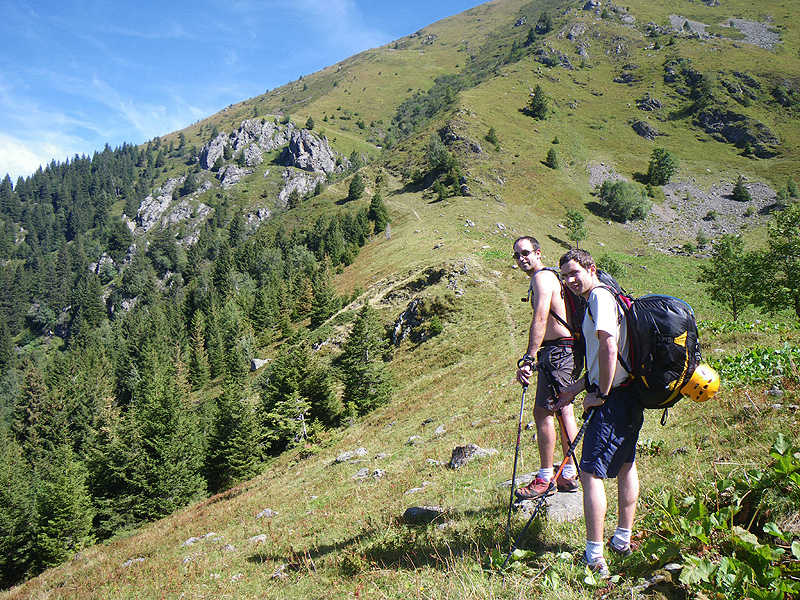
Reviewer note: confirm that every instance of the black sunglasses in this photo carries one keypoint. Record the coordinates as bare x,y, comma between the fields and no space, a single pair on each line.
523,253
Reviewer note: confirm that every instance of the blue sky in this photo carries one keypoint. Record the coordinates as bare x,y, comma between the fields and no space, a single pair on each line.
76,75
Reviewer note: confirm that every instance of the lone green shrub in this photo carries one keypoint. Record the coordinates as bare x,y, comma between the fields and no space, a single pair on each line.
624,201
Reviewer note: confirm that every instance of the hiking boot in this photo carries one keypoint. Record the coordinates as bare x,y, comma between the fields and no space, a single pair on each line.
535,489
598,567
626,551
567,484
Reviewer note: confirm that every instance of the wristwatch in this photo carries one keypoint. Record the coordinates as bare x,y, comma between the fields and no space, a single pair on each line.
602,397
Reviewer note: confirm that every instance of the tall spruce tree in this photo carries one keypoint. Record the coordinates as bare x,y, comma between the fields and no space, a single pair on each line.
199,369
64,510
378,213
367,382
233,450
165,473
17,513
325,301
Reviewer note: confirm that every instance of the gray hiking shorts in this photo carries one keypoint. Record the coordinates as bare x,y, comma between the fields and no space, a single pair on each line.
556,358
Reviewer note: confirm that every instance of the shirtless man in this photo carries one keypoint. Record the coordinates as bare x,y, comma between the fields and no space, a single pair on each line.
550,342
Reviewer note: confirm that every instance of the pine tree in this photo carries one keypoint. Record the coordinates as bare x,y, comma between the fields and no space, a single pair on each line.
39,423
356,189
552,159
296,390
165,473
17,513
537,105
7,353
367,383
199,369
378,213
325,302
64,510
233,442
740,192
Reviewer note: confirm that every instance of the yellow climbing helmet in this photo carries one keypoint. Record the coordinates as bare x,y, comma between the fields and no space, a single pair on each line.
703,384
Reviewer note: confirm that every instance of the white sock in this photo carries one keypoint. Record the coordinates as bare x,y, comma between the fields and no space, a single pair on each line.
569,470
621,538
546,474
594,551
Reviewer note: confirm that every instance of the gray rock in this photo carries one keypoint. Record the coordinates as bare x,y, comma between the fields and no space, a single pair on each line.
464,454
412,440
261,215
576,31
229,548
592,5
738,129
350,455
258,539
520,22
213,150
154,205
628,19
257,363
132,561
522,479
647,102
560,507
191,541
310,153
362,473
422,515
267,513
378,474
302,183
230,175
645,130
434,463
440,430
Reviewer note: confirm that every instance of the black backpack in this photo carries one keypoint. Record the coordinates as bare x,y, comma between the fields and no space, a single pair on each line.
663,347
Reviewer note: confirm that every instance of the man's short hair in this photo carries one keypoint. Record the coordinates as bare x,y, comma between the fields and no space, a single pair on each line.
534,242
582,257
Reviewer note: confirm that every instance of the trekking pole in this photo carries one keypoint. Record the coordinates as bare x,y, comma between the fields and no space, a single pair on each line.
543,497
516,454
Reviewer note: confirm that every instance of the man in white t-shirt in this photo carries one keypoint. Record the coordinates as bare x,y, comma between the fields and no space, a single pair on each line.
609,445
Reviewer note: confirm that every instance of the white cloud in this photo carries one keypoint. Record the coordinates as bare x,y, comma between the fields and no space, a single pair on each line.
20,158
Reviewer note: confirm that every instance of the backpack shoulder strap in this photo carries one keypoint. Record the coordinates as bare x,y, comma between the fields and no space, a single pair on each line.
563,295
623,363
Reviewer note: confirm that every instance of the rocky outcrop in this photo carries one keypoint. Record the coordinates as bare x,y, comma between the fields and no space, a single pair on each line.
230,175
213,150
451,137
156,204
303,183
647,102
552,57
253,138
645,130
261,215
256,136
308,152
738,129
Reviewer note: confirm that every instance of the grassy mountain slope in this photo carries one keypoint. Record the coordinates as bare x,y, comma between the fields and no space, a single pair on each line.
334,536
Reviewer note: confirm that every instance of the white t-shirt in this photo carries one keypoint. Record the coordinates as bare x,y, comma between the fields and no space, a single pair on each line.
604,314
